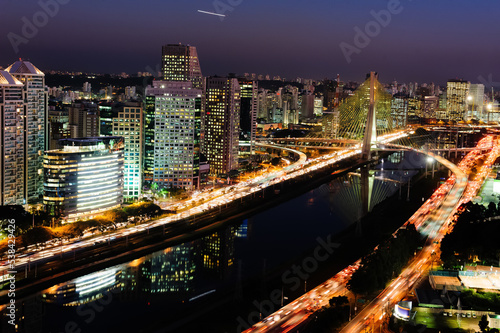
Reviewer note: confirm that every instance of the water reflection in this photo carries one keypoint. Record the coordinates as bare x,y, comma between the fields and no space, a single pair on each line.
355,194
219,263
84,289
171,271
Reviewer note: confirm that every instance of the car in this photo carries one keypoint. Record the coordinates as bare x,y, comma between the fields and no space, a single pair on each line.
473,315
445,314
468,315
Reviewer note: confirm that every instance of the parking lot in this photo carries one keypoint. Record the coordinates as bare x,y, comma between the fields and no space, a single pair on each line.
444,319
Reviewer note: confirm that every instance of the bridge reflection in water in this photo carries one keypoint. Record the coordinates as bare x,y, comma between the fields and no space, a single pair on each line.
355,194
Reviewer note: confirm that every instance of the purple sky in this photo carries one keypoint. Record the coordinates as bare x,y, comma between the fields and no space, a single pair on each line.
423,41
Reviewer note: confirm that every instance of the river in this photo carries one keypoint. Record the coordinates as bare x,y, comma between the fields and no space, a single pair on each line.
215,279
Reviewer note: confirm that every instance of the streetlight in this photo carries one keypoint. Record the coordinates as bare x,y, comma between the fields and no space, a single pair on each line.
469,100
429,160
490,107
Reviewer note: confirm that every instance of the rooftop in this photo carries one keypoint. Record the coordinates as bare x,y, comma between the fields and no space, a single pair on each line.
7,80
23,67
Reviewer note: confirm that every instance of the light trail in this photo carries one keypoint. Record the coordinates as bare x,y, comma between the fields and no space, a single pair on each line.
451,194
211,13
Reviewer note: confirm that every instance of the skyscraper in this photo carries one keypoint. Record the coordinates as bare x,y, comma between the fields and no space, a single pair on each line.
457,92
35,115
129,124
84,119
222,121
12,147
248,110
172,134
476,100
399,111
180,63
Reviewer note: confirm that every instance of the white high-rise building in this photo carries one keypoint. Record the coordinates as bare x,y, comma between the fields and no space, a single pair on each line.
476,100
12,148
35,114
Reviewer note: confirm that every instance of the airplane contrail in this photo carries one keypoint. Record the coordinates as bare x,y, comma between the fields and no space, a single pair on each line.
211,13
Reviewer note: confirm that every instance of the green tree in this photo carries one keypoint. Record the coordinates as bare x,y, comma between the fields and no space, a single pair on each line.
23,220
483,323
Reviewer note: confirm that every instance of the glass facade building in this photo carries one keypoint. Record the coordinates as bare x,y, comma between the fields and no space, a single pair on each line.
129,125
85,178
222,123
172,134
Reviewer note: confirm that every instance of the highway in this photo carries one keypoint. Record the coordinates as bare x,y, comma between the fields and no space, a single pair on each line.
199,203
432,219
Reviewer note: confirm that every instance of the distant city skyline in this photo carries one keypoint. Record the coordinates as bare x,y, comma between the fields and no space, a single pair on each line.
422,41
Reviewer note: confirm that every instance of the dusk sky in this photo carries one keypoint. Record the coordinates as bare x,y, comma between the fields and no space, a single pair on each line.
426,40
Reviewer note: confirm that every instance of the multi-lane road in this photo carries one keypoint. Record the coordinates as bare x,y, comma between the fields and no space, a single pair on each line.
432,219
199,203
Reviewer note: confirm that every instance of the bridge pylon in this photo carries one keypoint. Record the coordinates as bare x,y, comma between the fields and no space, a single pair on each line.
370,136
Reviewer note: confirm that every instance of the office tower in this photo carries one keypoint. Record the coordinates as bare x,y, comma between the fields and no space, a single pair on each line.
318,106
476,100
35,115
262,105
107,112
129,124
330,87
248,111
430,106
84,178
12,147
222,121
307,106
83,119
457,92
172,134
58,127
399,111
330,124
180,63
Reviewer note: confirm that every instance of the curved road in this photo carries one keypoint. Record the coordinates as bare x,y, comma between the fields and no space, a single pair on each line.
432,219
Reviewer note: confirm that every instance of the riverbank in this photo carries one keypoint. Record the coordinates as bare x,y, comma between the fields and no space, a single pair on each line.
241,310
77,263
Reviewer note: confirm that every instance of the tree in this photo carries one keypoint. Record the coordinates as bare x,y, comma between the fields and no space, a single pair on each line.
338,301
22,218
483,323
275,161
37,235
